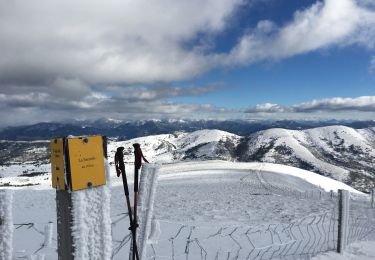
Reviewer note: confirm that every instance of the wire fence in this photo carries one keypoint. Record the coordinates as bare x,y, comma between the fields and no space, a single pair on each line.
301,238
361,220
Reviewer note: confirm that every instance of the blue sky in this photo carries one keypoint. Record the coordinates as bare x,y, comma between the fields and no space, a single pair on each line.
217,59
322,74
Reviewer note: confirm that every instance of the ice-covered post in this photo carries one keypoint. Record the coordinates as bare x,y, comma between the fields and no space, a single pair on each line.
147,190
80,174
343,220
372,197
6,225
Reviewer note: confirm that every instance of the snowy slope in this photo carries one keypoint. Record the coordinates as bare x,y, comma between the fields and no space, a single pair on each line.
202,144
339,152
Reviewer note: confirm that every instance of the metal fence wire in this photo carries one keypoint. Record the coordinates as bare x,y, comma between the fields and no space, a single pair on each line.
303,238
299,239
361,220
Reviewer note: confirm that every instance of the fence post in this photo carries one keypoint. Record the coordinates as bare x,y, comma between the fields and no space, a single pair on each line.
331,194
6,225
372,197
147,190
343,220
64,209
83,215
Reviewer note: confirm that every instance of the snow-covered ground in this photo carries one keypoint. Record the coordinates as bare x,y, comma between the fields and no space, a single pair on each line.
358,251
225,200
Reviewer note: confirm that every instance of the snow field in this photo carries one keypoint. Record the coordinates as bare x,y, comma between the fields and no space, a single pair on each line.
364,250
208,209
11,174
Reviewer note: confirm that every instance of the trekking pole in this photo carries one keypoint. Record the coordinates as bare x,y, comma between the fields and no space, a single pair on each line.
135,203
132,224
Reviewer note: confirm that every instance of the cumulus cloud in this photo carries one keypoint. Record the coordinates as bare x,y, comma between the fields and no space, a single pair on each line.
105,42
337,104
324,24
136,42
365,103
266,108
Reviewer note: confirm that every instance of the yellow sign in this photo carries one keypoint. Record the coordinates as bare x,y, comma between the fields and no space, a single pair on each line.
86,160
57,163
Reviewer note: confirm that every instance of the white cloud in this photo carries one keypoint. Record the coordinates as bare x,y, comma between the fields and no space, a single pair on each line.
106,42
145,41
325,24
327,105
266,108
364,103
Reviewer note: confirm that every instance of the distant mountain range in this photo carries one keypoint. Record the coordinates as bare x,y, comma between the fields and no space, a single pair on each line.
340,152
128,130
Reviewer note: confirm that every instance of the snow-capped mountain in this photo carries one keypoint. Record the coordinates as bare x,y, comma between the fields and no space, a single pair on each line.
201,145
339,152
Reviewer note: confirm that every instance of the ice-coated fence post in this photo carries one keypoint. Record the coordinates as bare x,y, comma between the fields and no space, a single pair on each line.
147,190
6,225
331,192
343,220
372,197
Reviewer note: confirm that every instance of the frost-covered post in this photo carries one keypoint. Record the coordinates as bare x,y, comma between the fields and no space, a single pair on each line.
372,197
343,221
147,190
6,225
80,174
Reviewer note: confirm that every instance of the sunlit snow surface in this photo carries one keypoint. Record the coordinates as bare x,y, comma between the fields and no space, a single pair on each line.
209,194
357,251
